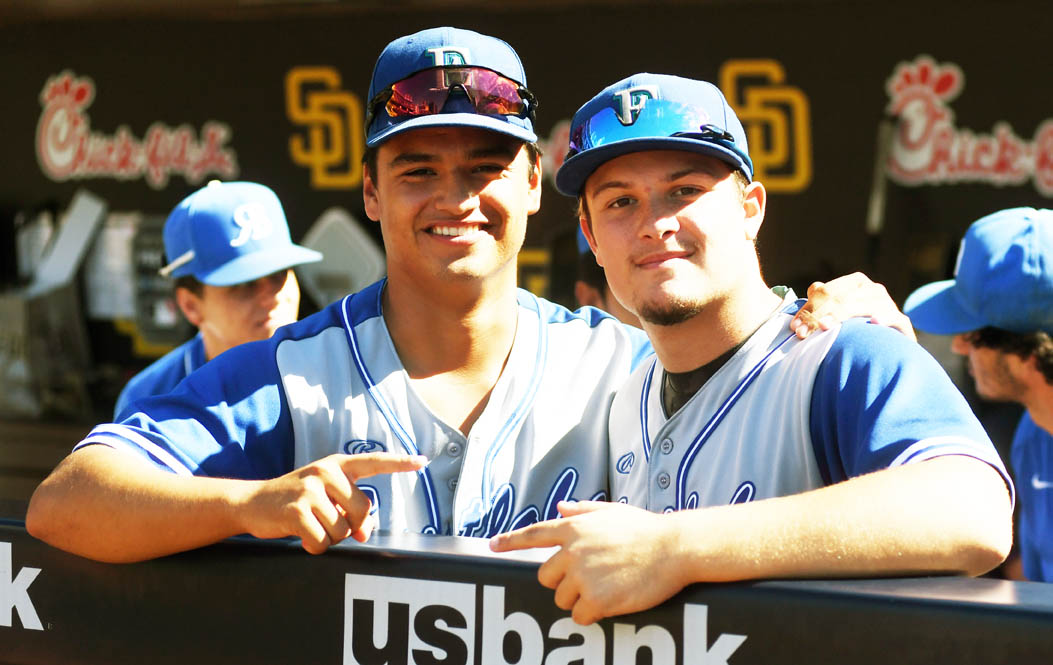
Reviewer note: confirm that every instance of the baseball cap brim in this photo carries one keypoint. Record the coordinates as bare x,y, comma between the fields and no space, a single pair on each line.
249,267
500,125
935,308
571,176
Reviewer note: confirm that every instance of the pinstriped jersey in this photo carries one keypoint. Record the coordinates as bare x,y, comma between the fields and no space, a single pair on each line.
333,383
785,416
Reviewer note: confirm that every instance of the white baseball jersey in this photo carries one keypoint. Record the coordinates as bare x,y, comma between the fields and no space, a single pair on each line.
333,383
784,416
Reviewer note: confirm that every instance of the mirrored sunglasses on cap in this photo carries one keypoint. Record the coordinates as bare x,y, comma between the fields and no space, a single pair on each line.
658,118
427,91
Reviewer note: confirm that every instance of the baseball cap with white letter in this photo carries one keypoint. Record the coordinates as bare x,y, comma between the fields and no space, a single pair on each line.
652,112
1003,278
230,232
449,77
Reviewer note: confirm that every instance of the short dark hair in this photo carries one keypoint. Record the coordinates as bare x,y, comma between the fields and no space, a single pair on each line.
1038,345
591,272
190,283
369,158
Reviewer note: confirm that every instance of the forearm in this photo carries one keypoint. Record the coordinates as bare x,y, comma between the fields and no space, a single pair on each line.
948,515
108,505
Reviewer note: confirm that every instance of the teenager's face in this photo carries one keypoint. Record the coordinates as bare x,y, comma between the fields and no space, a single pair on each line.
990,369
231,315
452,202
673,230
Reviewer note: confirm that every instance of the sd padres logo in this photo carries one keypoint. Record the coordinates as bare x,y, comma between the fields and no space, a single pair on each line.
333,144
776,119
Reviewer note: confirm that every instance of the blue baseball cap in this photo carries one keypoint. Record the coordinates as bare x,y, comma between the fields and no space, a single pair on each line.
230,232
437,47
1003,278
652,112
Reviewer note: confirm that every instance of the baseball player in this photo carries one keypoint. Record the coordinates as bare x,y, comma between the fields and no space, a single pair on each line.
444,360
999,307
760,454
503,394
230,254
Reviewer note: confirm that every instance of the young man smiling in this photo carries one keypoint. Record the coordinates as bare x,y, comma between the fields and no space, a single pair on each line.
760,454
503,393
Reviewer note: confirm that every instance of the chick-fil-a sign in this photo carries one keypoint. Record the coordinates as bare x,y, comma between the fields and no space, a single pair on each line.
929,148
68,149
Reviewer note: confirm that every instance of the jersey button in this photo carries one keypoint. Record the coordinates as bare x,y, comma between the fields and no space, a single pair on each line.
453,449
667,446
663,480
452,484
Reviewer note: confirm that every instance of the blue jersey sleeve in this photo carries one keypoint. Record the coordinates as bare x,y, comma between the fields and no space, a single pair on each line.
880,400
227,419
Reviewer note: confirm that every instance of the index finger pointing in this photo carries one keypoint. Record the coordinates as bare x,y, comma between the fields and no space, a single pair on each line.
542,534
364,465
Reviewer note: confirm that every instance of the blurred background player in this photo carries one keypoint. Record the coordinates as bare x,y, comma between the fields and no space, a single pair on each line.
229,251
591,288
999,307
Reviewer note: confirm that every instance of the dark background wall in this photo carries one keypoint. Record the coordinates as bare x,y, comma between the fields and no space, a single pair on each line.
193,63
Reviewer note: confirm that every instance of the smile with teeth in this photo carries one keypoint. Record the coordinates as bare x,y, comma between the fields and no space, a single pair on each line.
459,230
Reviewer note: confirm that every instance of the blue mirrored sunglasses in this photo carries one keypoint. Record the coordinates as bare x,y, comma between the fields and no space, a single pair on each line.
658,118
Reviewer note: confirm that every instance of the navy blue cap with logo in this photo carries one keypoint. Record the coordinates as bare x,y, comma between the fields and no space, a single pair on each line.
228,233
449,77
652,112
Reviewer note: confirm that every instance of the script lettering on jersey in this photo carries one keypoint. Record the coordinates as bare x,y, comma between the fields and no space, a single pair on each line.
359,446
499,519
14,592
398,621
67,149
929,148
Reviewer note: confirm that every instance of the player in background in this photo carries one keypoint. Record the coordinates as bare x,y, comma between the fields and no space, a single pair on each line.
591,288
848,453
503,393
999,308
231,256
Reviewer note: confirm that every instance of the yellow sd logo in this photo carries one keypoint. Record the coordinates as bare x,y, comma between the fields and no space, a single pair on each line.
776,119
333,144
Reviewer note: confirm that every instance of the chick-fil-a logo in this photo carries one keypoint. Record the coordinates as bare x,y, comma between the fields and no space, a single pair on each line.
67,149
928,147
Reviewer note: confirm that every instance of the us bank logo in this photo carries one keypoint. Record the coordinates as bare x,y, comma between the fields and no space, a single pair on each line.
14,593
330,143
398,621
777,121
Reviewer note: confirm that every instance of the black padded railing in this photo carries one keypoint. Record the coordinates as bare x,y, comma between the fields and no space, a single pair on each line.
439,600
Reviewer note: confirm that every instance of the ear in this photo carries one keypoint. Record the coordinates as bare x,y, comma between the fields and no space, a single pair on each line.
753,206
586,229
190,305
369,195
534,195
